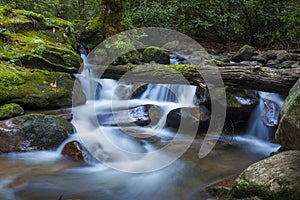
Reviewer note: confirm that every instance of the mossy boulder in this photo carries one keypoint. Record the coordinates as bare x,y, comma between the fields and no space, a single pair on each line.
288,132
33,132
33,41
34,88
244,53
10,110
276,177
156,54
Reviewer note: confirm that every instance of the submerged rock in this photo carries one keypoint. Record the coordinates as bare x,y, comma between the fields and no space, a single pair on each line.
156,54
33,132
10,110
244,53
288,132
276,177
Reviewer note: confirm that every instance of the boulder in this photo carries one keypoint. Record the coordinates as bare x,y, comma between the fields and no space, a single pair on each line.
34,88
156,54
197,116
10,110
240,104
276,177
33,132
33,41
244,53
137,116
288,132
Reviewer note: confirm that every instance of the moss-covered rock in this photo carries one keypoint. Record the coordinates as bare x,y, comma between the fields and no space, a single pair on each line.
33,132
30,40
10,110
244,53
156,54
288,132
276,177
34,88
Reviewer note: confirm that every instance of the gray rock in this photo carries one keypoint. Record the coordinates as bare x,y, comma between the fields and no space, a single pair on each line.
277,176
288,132
141,116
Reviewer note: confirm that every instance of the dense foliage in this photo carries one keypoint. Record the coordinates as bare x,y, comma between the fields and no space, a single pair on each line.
264,22
259,22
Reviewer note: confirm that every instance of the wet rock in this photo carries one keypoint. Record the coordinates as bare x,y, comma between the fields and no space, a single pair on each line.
74,151
276,177
259,58
250,63
269,55
270,114
10,110
284,56
156,54
244,53
288,64
273,64
33,132
223,58
197,116
240,104
138,116
288,132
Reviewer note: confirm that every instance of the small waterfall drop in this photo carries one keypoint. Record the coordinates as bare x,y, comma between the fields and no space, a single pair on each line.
262,124
265,116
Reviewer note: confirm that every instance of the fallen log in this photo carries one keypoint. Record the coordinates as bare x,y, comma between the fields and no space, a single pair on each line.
248,77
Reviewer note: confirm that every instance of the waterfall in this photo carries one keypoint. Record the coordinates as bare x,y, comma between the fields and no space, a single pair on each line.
265,116
106,99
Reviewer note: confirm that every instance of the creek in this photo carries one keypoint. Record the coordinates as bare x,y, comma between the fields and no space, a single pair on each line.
48,175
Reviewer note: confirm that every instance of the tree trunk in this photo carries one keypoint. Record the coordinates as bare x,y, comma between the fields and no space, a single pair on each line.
248,77
112,13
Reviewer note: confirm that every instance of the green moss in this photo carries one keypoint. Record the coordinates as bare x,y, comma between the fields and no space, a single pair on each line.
28,39
156,54
32,89
245,189
10,110
183,68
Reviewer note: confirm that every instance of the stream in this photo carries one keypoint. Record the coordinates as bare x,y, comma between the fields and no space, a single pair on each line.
123,167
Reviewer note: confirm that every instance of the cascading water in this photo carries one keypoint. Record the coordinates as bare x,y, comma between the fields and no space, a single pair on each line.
265,116
261,126
112,98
